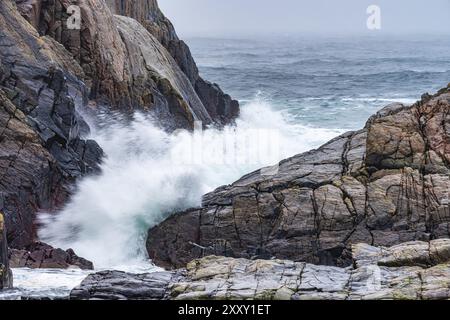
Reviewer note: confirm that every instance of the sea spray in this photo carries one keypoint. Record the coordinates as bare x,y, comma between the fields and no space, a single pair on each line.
148,174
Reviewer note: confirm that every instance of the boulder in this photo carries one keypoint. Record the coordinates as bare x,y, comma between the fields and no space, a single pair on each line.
220,106
383,185
41,255
118,285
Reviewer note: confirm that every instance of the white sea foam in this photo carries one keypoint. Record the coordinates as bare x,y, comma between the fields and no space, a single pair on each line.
107,219
406,101
48,283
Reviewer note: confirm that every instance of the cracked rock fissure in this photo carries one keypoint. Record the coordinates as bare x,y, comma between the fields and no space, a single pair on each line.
384,185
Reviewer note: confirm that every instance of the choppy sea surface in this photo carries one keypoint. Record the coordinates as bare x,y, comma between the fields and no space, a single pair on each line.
302,90
329,82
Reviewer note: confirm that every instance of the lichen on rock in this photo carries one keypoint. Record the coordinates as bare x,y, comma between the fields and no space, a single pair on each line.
378,273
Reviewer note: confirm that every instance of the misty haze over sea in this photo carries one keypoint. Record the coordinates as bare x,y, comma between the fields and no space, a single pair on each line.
327,82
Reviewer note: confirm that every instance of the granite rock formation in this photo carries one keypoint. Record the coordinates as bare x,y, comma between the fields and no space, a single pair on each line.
41,255
383,185
6,278
118,65
410,271
220,106
42,150
53,72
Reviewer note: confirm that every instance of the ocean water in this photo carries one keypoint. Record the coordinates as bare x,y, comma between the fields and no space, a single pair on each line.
328,82
295,94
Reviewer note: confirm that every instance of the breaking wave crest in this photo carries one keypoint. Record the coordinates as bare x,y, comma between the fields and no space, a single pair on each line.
148,174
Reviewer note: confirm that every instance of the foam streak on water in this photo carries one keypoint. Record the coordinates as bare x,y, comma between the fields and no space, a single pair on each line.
43,283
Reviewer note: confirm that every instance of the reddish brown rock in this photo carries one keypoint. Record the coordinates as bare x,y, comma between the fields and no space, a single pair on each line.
112,72
220,106
41,255
49,73
384,185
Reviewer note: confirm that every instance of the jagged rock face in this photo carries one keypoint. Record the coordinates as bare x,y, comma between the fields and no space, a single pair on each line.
48,71
6,278
220,106
147,13
117,285
155,70
41,149
105,47
41,255
386,184
414,270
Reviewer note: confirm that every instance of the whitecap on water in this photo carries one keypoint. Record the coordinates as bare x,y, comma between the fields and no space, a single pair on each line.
107,218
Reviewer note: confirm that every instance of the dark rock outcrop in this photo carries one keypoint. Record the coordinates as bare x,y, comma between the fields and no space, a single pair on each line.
6,278
410,271
50,74
41,255
220,106
41,146
383,185
116,61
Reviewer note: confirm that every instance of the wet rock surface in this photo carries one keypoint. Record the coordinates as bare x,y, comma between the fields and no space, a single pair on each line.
41,255
116,64
378,273
383,185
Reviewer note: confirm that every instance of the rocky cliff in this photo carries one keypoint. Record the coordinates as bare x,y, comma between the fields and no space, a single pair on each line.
118,65
53,70
42,150
383,185
413,271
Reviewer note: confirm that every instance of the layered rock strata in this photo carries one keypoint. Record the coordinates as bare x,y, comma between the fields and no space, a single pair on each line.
383,185
54,68
219,105
42,149
411,271
6,278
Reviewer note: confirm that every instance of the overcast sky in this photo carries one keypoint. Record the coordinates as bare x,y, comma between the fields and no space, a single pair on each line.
265,17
